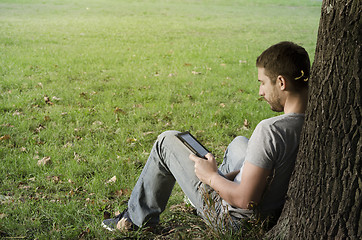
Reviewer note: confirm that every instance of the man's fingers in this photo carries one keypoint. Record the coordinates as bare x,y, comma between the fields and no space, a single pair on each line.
209,156
193,157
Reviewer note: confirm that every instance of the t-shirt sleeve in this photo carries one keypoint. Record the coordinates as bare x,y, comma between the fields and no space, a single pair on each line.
263,146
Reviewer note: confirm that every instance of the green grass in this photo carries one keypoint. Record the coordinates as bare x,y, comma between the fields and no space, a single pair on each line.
117,74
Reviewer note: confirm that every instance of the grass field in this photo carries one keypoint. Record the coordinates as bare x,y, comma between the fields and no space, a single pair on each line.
86,87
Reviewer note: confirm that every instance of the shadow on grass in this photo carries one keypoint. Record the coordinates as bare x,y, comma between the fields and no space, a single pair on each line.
182,222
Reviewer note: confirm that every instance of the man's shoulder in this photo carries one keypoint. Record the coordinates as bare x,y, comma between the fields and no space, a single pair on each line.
283,120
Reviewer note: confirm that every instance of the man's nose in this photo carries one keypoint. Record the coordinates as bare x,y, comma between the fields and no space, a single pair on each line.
261,92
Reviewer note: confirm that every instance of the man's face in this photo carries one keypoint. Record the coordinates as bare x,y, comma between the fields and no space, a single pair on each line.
270,91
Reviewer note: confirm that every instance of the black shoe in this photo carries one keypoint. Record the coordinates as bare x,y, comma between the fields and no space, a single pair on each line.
121,222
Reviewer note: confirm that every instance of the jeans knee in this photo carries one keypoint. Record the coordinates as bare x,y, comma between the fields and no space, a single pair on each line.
239,144
166,134
241,140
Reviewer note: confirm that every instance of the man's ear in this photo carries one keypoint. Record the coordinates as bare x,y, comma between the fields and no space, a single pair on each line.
282,83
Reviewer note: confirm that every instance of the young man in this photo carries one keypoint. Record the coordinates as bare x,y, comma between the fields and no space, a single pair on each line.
255,173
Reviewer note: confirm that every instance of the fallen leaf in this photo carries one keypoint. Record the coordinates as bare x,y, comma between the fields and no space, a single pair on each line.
5,137
138,106
84,234
55,179
46,118
68,144
47,100
44,161
223,64
131,140
121,192
3,215
246,123
97,123
124,224
7,125
118,110
196,73
112,180
84,95
187,64
24,187
6,199
23,149
78,158
38,129
17,113
222,105
147,133
56,98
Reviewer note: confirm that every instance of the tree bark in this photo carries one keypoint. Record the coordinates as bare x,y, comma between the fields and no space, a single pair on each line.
325,193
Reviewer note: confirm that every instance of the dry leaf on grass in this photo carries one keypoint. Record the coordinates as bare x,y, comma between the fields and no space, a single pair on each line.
17,113
44,161
47,100
55,179
147,133
38,129
118,110
246,123
56,98
5,137
121,192
112,180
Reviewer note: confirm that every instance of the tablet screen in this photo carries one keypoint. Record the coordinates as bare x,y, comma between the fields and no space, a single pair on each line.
194,144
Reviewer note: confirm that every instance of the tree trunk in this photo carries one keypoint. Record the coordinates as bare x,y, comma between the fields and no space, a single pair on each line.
325,192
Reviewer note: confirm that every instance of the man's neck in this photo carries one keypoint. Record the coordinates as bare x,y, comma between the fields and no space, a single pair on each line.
296,102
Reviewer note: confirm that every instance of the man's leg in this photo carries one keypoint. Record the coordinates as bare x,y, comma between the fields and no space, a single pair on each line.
235,155
168,161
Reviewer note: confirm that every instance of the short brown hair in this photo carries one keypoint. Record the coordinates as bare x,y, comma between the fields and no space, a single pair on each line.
288,60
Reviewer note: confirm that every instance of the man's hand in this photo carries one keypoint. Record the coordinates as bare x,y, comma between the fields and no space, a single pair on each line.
205,169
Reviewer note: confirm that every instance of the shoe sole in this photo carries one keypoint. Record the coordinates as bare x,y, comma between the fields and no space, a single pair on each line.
108,228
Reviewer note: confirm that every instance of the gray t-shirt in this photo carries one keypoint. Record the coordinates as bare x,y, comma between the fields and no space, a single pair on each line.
274,145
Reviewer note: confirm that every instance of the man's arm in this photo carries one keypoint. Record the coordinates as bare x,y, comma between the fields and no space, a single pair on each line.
250,189
231,175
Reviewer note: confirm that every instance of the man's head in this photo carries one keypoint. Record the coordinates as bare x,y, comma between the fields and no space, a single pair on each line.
283,67
288,60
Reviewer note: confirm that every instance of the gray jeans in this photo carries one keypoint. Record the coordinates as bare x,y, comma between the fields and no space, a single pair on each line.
169,162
